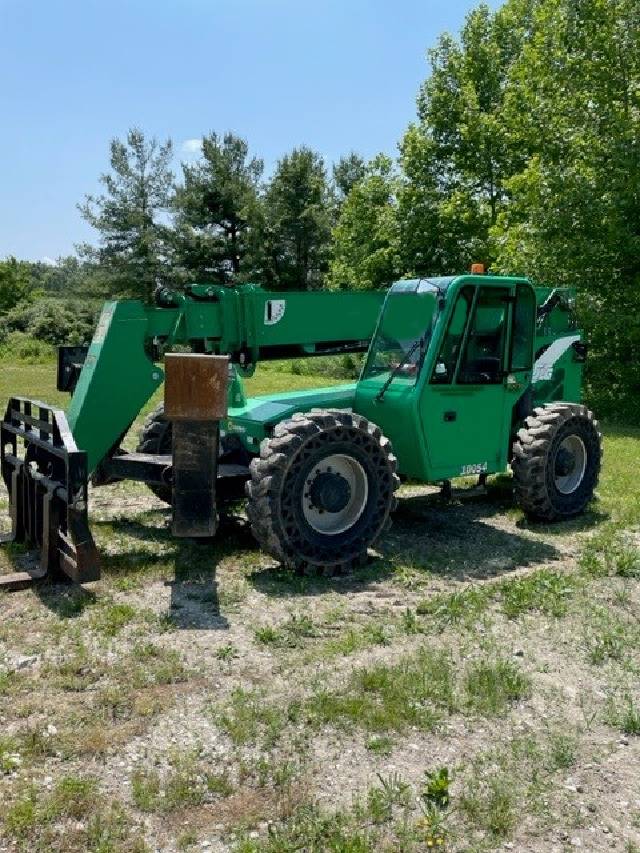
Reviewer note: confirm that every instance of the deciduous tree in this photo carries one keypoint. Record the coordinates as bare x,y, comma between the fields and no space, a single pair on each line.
366,239
574,218
15,284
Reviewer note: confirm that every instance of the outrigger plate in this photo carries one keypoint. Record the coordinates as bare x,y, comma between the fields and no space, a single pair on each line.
46,477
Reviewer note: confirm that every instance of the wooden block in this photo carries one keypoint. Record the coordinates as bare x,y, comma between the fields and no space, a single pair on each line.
195,386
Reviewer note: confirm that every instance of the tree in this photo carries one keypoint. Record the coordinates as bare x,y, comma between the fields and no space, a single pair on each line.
458,157
15,284
132,254
440,232
297,222
217,210
574,217
366,239
347,172
67,277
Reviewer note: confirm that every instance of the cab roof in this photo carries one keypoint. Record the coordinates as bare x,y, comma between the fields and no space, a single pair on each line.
440,284
423,285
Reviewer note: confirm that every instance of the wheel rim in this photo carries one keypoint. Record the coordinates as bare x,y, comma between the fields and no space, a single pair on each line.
570,464
335,494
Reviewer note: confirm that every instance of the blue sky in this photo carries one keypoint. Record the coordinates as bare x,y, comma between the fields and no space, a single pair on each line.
337,75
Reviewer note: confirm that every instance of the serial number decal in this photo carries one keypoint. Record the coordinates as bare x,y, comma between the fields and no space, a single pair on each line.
479,468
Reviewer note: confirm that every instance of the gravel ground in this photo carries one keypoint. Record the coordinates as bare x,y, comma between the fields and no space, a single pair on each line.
184,687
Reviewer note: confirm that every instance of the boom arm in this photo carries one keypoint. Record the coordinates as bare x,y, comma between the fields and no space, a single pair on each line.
249,324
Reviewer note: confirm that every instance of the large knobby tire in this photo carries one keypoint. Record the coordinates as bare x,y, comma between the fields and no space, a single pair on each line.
322,491
156,437
556,461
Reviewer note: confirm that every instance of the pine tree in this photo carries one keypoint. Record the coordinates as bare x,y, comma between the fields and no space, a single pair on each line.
132,253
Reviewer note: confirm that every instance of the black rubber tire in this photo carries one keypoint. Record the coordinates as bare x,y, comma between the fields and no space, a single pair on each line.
277,484
534,460
155,437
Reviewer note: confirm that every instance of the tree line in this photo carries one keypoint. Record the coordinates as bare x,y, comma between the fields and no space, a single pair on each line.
524,154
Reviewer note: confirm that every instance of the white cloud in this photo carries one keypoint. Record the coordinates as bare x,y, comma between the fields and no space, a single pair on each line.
48,261
191,146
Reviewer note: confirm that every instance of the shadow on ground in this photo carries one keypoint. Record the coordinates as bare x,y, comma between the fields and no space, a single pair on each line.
189,566
195,596
460,540
457,540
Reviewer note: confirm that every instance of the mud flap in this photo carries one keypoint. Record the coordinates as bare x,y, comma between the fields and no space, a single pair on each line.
46,477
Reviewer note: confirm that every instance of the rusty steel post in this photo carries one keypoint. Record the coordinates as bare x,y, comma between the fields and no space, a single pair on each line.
195,402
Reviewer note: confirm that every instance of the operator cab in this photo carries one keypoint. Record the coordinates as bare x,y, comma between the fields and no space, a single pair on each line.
448,362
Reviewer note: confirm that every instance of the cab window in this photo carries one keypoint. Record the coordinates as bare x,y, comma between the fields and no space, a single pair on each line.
445,366
402,337
483,357
524,317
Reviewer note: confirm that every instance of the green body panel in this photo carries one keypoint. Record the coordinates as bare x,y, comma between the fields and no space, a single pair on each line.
116,381
259,415
441,431
252,324
565,382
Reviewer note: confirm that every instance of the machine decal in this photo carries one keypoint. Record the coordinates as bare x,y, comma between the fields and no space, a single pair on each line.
274,311
543,368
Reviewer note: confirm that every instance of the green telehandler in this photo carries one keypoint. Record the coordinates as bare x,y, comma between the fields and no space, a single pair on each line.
463,376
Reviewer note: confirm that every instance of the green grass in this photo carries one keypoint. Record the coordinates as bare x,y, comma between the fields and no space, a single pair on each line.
491,686
249,715
150,665
390,697
618,488
31,380
10,757
479,812
419,691
610,553
492,806
72,797
310,828
608,637
111,617
461,607
380,745
544,591
39,382
562,750
623,713
353,639
186,784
